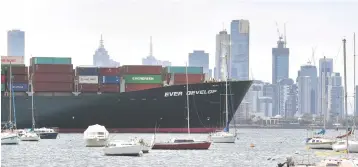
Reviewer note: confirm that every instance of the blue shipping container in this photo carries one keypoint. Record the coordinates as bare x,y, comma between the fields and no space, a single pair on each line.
110,80
20,87
87,71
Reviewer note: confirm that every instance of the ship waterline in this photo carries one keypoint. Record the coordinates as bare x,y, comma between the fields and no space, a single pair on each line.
143,111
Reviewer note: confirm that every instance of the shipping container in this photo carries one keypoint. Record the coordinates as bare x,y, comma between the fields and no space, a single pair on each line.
20,87
136,87
12,60
86,71
2,87
104,71
2,78
53,87
183,70
88,87
192,78
88,79
50,60
110,79
143,79
109,88
19,78
17,70
54,77
52,68
6,67
141,69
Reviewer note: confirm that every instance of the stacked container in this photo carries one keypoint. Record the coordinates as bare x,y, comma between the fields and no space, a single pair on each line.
109,80
51,74
19,73
139,77
87,79
182,75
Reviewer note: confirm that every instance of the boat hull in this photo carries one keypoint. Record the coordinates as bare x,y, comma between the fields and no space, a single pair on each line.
352,146
29,137
9,139
133,112
48,135
223,139
182,146
325,145
134,150
96,142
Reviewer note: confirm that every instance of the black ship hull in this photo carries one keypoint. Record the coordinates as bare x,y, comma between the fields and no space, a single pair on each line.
137,111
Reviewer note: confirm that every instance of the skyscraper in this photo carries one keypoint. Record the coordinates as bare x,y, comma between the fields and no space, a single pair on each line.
101,57
15,43
200,59
325,70
280,62
307,88
222,63
335,98
240,40
151,60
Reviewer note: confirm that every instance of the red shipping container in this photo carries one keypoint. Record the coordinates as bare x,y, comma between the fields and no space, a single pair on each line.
109,71
53,87
18,70
192,78
19,78
136,87
141,69
2,78
52,68
109,88
88,87
54,77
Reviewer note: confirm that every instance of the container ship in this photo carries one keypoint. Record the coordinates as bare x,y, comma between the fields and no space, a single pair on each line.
129,99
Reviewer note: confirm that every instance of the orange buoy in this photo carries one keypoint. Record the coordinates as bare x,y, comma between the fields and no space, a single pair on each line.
252,145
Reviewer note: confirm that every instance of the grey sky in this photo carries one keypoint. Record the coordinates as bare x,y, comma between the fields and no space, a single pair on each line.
73,27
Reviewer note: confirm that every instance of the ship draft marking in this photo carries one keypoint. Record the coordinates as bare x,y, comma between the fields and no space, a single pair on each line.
190,93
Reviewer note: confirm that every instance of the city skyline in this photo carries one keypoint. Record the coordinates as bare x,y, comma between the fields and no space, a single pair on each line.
178,34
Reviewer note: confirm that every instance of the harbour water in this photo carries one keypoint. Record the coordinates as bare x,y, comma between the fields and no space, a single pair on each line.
69,150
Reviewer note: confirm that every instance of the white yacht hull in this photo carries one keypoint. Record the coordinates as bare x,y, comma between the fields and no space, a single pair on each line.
9,139
134,150
352,146
320,145
145,149
29,137
95,142
223,139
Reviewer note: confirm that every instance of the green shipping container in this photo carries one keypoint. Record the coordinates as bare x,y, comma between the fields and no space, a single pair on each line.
2,87
183,69
143,79
51,60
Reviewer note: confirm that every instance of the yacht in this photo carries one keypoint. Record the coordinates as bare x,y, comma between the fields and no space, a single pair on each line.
320,143
96,136
29,136
123,148
46,133
9,138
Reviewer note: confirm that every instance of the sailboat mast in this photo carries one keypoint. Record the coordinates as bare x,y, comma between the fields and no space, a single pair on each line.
187,95
345,88
226,96
10,93
32,102
354,79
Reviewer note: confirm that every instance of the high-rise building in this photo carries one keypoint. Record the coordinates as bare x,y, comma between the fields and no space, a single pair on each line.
286,101
356,101
305,90
200,59
280,62
15,43
222,55
151,60
101,57
325,70
240,40
335,97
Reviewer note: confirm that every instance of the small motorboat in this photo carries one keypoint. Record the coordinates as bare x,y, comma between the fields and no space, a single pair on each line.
29,136
9,138
46,133
96,136
223,137
123,148
182,144
146,147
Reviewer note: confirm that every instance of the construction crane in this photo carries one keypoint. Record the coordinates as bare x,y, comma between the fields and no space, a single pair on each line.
312,61
282,36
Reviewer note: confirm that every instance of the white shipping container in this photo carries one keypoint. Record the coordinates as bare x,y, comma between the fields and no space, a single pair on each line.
12,60
88,79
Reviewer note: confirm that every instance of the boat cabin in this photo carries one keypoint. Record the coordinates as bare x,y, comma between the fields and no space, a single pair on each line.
183,140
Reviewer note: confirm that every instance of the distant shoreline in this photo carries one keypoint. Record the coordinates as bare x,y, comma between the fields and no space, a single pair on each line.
283,127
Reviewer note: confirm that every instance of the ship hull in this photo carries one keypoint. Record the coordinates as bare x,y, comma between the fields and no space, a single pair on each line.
161,109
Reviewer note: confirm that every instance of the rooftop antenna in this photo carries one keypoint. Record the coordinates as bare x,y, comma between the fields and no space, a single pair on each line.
101,42
224,26
284,35
150,47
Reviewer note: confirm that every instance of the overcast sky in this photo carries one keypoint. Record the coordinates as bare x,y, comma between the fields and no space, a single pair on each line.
72,28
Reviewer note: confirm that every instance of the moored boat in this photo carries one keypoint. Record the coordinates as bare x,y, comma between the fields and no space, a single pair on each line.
96,136
123,148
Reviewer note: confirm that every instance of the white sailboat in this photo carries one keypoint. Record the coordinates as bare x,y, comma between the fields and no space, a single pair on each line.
322,142
31,135
352,144
224,136
8,134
